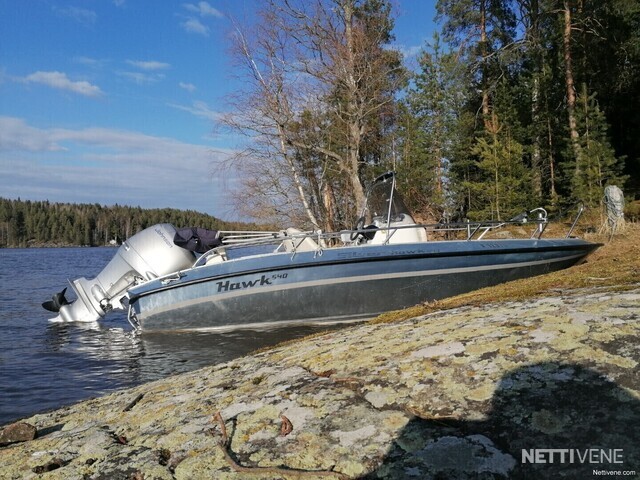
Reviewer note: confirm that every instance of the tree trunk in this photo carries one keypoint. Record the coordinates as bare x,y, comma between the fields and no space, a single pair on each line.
484,53
353,117
296,179
571,91
536,173
552,174
328,199
438,149
533,35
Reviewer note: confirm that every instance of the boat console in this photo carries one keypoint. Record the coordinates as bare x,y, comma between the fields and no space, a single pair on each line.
385,219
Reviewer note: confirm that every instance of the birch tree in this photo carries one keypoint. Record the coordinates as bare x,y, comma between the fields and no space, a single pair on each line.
317,82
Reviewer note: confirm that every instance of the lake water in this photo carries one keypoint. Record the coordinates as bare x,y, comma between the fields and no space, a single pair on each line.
46,365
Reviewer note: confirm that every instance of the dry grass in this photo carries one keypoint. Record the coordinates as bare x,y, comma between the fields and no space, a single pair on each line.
615,265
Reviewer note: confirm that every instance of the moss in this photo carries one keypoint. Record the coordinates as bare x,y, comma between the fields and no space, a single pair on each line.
377,400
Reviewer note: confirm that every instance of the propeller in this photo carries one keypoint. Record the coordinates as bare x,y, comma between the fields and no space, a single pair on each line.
57,301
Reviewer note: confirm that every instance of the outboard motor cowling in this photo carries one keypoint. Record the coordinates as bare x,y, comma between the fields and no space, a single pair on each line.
148,254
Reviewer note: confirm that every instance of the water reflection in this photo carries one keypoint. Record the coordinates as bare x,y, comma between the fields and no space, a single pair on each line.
128,357
166,353
46,365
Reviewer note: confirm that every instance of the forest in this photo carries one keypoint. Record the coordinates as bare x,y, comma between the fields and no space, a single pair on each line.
42,223
511,105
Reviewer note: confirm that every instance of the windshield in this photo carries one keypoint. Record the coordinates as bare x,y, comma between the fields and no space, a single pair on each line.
382,194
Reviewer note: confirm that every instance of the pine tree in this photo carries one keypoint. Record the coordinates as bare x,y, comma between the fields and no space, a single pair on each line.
599,165
432,106
503,189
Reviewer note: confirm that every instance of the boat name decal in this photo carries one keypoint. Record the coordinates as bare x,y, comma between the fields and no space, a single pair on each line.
228,285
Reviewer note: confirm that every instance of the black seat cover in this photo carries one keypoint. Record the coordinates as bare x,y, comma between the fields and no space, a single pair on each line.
196,239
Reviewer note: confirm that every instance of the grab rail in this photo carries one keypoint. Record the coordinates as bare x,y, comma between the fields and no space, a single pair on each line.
236,240
578,215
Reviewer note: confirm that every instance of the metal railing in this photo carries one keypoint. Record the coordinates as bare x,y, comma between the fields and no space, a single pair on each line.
468,230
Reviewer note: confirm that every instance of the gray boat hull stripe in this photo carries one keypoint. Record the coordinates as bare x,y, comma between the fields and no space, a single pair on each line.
359,278
134,296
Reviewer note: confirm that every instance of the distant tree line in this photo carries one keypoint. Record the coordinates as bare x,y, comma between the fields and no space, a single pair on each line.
513,104
25,223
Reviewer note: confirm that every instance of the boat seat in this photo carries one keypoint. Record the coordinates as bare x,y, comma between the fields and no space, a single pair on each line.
300,244
401,235
219,256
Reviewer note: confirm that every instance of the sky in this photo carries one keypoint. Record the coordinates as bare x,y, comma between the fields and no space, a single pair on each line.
116,101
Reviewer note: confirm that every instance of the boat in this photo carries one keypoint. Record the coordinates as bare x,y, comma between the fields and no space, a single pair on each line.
167,279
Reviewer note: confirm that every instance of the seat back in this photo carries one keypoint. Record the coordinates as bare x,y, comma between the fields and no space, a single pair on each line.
296,243
400,235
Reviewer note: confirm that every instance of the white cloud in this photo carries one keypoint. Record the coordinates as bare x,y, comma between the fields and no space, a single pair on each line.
90,62
149,64
407,51
412,51
16,135
103,165
199,109
193,25
200,10
60,81
81,15
203,9
189,87
141,78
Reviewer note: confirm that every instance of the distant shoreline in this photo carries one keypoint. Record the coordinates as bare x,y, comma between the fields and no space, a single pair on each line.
53,245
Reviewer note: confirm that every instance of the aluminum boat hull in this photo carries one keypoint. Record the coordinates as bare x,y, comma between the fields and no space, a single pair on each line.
340,284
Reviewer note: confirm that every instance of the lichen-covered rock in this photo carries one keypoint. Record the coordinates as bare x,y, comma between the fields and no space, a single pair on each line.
490,392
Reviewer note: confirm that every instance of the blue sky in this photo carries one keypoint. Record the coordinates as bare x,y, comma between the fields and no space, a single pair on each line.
115,101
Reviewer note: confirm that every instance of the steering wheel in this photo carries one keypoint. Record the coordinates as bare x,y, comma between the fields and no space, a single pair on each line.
359,226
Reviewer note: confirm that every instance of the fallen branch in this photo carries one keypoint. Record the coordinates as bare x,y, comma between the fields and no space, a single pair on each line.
223,428
223,445
133,403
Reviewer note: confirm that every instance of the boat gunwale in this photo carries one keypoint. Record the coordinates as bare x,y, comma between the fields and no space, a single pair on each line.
575,244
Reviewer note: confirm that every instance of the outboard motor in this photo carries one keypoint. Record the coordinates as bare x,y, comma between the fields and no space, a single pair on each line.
148,254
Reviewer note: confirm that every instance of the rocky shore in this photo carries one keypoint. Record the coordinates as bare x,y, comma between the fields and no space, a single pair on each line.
543,388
